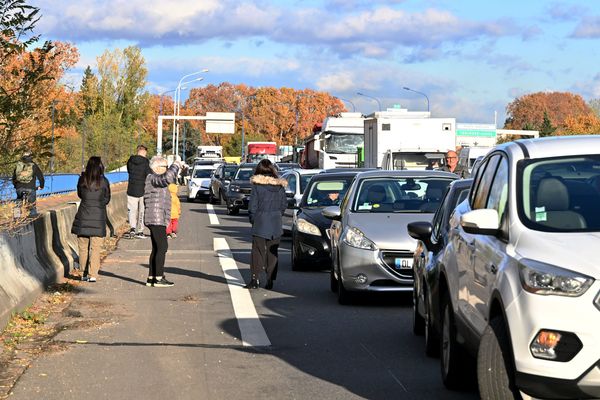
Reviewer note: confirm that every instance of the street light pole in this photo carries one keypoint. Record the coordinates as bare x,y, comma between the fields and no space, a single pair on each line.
421,93
176,104
347,101
370,97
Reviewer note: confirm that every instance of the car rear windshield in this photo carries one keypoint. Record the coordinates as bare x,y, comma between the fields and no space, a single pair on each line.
560,194
324,193
244,174
202,173
400,195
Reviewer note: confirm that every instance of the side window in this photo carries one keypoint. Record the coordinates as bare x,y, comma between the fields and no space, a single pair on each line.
439,217
479,199
291,179
347,196
498,197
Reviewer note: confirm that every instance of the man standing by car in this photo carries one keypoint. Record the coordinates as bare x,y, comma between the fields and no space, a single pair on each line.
138,168
24,179
451,164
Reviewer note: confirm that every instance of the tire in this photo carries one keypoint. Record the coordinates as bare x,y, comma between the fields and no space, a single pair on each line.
453,358
495,365
333,284
221,197
233,210
297,265
191,200
216,199
432,338
344,296
418,323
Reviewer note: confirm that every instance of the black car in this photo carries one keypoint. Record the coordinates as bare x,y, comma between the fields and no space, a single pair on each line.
310,237
238,193
432,238
219,182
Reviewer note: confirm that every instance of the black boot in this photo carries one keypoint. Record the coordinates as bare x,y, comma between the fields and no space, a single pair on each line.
269,285
253,284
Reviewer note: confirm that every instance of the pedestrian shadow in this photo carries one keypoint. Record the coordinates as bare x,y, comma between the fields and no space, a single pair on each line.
195,274
121,277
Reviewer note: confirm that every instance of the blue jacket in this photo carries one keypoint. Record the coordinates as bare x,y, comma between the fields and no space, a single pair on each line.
267,205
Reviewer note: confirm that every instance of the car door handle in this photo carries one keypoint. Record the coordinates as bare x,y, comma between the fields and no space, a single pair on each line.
471,244
493,269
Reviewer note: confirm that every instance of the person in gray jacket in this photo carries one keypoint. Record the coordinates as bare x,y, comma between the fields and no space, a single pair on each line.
157,215
266,207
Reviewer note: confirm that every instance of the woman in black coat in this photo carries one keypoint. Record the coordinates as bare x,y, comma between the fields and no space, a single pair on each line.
90,221
266,207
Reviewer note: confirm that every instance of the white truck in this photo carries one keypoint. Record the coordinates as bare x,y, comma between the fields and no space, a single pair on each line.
336,143
209,152
401,139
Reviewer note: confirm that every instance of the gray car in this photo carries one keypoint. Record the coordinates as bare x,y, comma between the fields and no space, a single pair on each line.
371,249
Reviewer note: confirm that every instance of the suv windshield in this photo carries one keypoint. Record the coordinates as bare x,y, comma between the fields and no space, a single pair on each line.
325,193
202,173
244,174
343,143
228,171
560,194
400,195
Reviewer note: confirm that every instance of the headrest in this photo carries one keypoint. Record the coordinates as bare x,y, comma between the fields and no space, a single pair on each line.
376,194
553,195
433,193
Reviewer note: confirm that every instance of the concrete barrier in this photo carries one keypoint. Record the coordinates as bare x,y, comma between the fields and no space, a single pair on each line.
43,252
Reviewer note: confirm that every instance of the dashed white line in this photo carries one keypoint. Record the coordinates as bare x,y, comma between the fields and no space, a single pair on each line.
252,330
211,215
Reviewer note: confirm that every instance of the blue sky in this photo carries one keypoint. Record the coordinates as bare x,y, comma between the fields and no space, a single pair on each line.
470,57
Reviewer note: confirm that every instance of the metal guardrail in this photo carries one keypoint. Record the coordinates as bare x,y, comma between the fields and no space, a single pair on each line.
55,184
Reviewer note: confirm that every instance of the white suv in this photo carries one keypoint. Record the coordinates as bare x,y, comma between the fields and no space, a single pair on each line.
519,286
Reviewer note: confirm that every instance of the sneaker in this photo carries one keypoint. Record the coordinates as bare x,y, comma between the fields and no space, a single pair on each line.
91,279
163,282
150,281
85,278
130,234
140,235
173,235
169,236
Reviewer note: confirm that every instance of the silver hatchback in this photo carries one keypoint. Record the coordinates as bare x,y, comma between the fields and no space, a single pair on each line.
371,249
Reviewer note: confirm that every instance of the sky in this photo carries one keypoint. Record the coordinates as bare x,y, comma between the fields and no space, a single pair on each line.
471,58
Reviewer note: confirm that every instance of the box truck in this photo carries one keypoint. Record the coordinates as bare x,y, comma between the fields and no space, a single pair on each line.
401,139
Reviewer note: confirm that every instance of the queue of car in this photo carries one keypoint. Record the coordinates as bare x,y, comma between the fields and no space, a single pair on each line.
501,267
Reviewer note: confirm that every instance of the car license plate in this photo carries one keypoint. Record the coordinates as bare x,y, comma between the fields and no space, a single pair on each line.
403,263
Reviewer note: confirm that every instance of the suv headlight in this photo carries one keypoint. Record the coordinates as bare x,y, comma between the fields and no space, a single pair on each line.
540,278
306,227
355,238
234,188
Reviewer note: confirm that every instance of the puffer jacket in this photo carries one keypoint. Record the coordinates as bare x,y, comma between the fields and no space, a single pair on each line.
90,220
175,203
138,168
157,199
267,205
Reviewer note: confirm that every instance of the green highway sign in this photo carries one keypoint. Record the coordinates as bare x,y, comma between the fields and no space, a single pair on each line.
476,132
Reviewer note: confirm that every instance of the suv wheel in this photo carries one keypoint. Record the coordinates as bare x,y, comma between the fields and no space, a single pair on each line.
432,338
297,265
495,368
333,285
232,210
418,323
452,356
215,199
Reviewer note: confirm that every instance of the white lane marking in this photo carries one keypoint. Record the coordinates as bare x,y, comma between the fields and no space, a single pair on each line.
211,215
253,333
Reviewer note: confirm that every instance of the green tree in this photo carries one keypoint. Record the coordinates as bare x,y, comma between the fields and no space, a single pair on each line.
546,129
89,92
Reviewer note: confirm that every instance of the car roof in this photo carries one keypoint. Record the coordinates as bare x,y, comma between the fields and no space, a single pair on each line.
248,165
555,146
406,174
357,170
332,175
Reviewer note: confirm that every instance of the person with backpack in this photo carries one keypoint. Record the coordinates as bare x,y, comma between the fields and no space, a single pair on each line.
25,177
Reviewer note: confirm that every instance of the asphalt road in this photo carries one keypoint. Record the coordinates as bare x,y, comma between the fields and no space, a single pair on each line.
127,341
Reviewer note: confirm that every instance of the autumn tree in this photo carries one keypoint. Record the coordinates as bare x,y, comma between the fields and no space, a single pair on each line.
545,111
29,83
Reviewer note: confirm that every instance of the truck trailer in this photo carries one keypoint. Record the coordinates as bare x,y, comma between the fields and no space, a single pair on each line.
256,151
335,142
400,139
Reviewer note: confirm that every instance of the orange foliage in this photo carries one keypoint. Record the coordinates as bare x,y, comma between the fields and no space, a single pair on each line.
527,111
588,124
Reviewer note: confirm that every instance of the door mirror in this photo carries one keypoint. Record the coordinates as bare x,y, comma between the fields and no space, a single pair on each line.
291,204
481,222
421,230
289,194
332,212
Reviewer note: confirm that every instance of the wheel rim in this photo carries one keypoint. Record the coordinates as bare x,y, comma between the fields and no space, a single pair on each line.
446,341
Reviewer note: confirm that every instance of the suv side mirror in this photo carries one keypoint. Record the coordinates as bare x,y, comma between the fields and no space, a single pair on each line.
289,194
332,212
421,230
481,222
